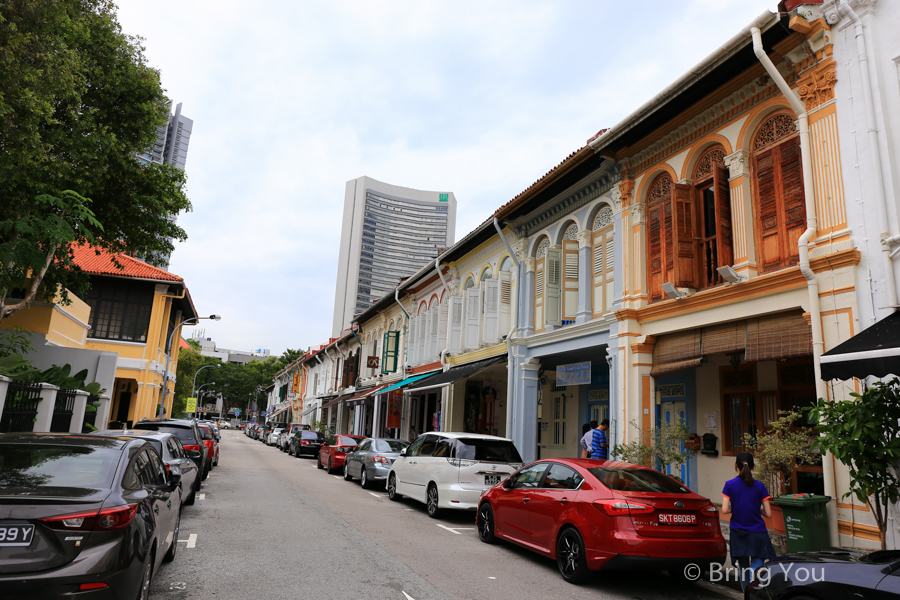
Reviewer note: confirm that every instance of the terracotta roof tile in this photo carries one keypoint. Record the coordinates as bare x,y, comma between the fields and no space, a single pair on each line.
89,261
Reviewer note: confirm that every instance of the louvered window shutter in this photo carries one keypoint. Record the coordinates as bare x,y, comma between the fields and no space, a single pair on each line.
390,351
570,279
473,317
505,302
609,272
655,251
491,311
553,293
423,337
598,257
768,218
539,295
433,349
443,312
684,243
456,324
411,355
723,216
794,206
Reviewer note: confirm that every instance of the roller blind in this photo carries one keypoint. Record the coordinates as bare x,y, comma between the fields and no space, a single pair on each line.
786,335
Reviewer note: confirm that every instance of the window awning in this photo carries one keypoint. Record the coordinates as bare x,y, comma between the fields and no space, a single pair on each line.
872,352
360,397
279,411
408,381
676,351
457,373
337,400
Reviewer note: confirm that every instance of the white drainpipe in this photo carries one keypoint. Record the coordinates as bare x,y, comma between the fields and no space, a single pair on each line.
406,333
812,285
437,266
886,238
510,379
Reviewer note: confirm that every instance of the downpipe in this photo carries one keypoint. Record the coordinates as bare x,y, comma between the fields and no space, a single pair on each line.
812,286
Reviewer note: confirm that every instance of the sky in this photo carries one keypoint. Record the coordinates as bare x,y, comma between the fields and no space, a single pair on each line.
290,100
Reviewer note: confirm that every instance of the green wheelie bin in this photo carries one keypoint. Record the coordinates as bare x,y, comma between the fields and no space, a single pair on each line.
805,521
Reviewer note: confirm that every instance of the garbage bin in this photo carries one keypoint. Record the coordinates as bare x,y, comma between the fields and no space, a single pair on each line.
805,521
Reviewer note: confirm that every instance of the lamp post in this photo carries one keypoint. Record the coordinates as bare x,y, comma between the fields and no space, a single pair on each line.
199,406
191,321
194,384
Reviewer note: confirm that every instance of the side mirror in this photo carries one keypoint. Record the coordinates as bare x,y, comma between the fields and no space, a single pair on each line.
194,454
403,452
506,483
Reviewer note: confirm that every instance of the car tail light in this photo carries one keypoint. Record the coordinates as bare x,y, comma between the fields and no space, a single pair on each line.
208,443
304,443
168,468
92,586
461,462
622,508
345,449
107,519
381,460
190,447
711,511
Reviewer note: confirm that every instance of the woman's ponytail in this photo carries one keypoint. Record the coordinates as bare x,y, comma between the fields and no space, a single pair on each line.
744,464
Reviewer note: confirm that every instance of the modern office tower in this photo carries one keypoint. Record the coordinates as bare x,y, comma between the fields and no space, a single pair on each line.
172,140
389,232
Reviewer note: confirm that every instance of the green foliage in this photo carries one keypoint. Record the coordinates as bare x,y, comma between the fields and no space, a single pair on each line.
194,344
775,450
16,367
15,341
865,435
664,445
322,427
77,102
239,384
290,355
62,378
189,361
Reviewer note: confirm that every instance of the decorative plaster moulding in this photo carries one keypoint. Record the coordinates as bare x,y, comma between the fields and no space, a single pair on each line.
569,332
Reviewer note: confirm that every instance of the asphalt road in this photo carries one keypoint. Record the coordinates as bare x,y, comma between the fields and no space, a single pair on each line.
271,526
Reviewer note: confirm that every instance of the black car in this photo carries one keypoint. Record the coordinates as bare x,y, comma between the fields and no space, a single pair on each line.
188,433
306,443
83,515
173,455
831,574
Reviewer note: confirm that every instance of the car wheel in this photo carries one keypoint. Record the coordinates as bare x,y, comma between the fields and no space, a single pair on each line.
170,555
486,523
432,502
206,472
319,462
392,488
146,578
329,470
347,476
364,478
570,556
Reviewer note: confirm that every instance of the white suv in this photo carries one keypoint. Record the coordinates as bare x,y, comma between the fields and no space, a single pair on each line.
450,470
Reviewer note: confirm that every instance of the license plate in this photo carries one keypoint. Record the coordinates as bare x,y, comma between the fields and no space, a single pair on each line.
677,519
491,479
16,535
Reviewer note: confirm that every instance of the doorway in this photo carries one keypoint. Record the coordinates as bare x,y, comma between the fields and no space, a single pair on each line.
673,413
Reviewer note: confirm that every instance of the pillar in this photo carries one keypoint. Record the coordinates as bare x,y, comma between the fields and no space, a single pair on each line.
525,434
527,295
102,420
585,279
77,421
45,408
4,386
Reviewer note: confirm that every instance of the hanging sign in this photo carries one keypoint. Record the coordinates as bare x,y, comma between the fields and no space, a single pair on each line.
395,402
574,374
372,362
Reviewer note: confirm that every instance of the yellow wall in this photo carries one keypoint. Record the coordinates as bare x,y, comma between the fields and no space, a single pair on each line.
65,326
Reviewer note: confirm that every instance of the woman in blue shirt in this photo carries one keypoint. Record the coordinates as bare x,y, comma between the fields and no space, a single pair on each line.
742,498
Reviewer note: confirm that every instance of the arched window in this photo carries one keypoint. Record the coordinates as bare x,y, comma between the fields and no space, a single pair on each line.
470,282
486,274
505,265
603,252
778,192
670,236
570,274
712,199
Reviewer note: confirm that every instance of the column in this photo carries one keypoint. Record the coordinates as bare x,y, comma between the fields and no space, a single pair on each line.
102,420
77,421
585,280
738,164
45,408
376,415
526,424
527,295
4,386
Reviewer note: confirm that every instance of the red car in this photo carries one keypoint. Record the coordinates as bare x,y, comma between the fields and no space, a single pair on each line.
212,446
593,515
335,448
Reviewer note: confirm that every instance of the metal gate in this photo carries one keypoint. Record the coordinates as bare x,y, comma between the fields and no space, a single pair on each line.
20,408
62,411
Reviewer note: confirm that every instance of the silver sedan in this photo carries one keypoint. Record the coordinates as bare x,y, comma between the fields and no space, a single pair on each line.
372,460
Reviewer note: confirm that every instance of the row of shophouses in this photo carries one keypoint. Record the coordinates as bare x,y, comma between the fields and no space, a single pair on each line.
692,262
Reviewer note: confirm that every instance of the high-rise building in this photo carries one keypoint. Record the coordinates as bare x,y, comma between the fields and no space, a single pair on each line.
388,233
172,140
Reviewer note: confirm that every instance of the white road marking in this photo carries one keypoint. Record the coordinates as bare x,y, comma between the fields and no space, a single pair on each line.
492,578
178,586
378,495
408,597
337,476
201,497
191,541
454,529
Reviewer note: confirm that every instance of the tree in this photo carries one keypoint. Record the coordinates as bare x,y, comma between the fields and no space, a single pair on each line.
864,434
290,355
238,384
77,102
189,362
778,448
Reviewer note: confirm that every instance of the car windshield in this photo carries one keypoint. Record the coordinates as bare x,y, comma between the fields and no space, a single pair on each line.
310,435
390,445
185,434
637,480
40,466
277,430
487,450
346,441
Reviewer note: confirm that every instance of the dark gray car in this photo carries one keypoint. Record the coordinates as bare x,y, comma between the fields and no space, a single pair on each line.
372,460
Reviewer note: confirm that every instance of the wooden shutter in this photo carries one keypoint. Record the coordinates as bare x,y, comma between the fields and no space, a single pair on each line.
456,324
411,341
683,237
433,348
767,214
539,294
553,287
570,279
655,251
443,314
723,216
473,317
505,302
792,198
491,310
390,351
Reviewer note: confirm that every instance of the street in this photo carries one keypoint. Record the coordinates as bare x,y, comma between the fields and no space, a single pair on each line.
269,525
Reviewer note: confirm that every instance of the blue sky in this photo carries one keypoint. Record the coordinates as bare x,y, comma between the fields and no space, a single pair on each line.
292,99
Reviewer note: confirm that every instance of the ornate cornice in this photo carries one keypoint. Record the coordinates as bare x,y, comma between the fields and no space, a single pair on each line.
637,214
738,164
584,238
616,196
626,189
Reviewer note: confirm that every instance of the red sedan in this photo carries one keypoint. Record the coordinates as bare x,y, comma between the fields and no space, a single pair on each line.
335,448
593,515
212,445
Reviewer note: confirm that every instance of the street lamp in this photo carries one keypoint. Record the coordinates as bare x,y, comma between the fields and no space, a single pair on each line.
191,321
198,408
194,384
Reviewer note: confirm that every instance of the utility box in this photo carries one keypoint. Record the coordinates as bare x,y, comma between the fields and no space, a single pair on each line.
805,521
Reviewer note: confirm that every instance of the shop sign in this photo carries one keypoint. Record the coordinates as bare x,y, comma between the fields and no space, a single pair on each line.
296,386
395,403
574,374
372,362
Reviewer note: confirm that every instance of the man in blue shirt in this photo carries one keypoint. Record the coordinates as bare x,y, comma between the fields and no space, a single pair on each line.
599,444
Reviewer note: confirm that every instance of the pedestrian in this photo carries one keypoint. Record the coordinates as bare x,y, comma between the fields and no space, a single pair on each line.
742,498
599,443
585,443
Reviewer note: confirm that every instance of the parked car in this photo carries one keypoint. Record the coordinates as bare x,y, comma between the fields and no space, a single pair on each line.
372,459
172,454
829,574
212,445
84,515
285,441
593,515
274,436
262,431
306,443
332,452
188,432
224,425
450,470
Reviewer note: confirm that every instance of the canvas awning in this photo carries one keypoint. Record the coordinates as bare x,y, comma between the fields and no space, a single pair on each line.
408,381
360,397
872,352
337,400
456,373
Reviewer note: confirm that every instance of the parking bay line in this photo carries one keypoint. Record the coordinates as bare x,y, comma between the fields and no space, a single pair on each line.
454,529
379,495
201,496
191,541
